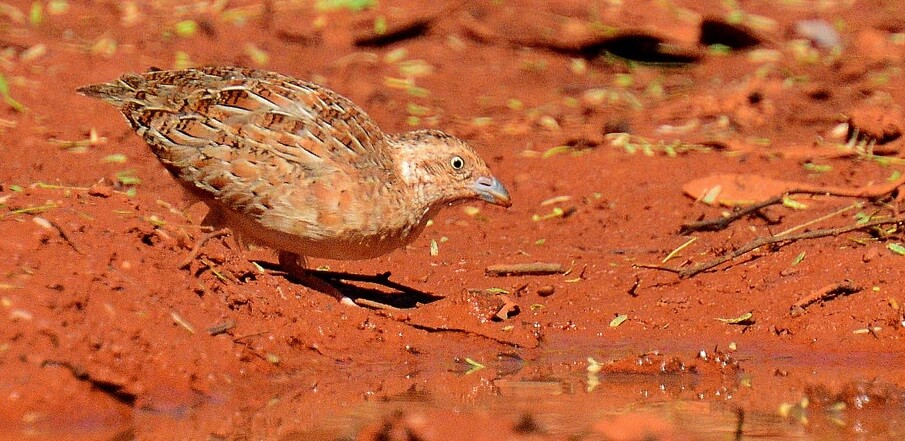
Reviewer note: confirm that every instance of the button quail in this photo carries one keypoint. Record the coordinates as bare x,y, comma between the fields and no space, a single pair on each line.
294,166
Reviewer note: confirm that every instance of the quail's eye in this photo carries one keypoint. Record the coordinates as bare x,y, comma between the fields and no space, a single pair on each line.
457,162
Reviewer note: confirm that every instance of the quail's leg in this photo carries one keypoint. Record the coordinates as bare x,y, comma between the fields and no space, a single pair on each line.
296,266
214,221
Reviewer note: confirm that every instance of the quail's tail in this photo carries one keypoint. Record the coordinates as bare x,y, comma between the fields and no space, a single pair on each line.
117,92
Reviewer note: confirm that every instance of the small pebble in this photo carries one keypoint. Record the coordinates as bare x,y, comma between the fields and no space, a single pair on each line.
100,190
546,291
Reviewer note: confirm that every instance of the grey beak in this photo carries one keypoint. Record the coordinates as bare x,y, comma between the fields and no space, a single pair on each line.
491,190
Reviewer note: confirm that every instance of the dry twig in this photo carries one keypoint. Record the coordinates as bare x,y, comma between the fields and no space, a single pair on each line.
774,239
524,269
867,192
828,292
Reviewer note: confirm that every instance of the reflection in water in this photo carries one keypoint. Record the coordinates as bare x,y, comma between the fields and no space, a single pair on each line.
610,394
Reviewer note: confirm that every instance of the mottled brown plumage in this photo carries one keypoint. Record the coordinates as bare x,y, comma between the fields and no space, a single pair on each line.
294,166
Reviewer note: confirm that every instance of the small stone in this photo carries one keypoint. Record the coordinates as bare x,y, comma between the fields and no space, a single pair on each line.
546,290
871,254
101,190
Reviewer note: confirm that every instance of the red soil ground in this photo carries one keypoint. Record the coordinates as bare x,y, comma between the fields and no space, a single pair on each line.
104,336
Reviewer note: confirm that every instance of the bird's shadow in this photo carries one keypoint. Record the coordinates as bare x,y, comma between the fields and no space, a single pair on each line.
398,296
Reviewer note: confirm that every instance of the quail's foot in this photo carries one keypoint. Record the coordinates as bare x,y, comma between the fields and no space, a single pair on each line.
297,268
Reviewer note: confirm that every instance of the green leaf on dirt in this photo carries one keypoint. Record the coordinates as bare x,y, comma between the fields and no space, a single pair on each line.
36,14
33,209
417,109
186,28
618,320
624,80
155,221
678,249
474,366
16,188
10,101
352,5
896,248
744,319
557,212
798,258
397,83
558,150
435,249
578,66
471,210
105,46
515,104
116,158
258,56
126,177
719,49
792,203
182,60
894,176
820,168
57,6
395,55
482,121
417,92
549,123
415,68
380,25
862,218
711,194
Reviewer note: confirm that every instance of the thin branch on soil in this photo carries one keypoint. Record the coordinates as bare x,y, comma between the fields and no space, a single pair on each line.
221,328
368,303
721,223
657,267
198,245
524,269
826,293
770,240
64,236
819,219
867,192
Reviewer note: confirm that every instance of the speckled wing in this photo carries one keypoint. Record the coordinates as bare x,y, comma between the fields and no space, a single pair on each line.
260,143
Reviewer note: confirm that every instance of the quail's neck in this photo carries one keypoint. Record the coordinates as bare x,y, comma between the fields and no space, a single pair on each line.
416,173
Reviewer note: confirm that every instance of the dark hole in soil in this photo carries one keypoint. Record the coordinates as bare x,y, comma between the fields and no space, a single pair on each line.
736,37
414,29
640,48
